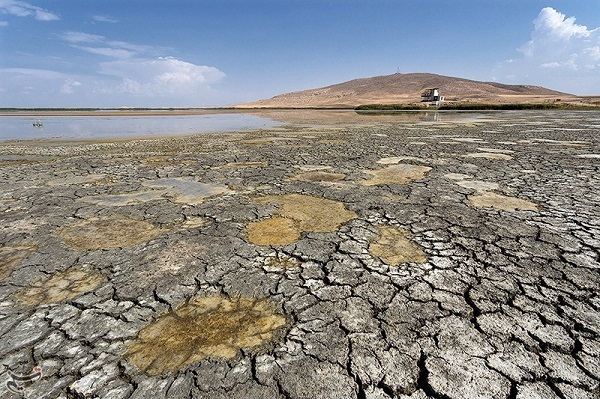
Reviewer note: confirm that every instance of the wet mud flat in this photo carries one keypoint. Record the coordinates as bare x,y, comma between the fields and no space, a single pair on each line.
383,260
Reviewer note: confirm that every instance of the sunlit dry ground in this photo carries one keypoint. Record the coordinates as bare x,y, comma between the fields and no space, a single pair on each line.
371,260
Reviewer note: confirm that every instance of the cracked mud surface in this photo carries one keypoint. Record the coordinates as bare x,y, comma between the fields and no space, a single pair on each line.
466,266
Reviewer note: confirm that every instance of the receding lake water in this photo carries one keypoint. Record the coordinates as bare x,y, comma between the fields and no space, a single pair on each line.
92,127
113,126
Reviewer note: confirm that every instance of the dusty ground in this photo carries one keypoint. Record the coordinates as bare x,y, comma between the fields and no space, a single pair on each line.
373,261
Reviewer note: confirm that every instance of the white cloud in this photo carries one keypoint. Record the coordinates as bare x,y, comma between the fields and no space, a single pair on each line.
81,37
164,76
3,24
105,18
128,76
69,85
101,45
555,24
107,51
24,9
31,73
560,54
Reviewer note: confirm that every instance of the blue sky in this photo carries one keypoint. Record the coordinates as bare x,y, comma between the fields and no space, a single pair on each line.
151,53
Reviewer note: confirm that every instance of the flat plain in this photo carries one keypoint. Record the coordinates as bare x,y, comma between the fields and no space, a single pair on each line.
371,259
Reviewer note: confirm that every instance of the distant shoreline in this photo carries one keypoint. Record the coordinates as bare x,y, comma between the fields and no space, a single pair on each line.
470,106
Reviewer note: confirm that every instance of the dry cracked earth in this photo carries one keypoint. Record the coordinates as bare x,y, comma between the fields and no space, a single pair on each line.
383,260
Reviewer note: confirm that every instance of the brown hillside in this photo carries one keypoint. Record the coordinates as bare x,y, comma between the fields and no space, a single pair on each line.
407,88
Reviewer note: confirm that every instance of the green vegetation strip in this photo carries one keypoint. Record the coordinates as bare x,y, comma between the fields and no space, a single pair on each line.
473,106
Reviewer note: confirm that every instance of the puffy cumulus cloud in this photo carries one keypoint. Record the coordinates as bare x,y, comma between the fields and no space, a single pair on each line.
554,33
24,9
163,76
560,54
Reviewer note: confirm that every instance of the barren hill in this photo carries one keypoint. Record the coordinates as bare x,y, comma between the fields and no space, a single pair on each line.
407,88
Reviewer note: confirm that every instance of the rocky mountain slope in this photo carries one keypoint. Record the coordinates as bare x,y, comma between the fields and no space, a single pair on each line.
407,88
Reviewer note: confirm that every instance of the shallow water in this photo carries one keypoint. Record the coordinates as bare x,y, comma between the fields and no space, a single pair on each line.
92,127
133,126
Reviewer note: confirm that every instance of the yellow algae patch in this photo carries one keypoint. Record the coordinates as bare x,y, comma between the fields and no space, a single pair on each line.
62,286
319,215
396,174
490,155
502,202
10,257
108,232
202,328
273,231
280,263
297,213
394,247
317,176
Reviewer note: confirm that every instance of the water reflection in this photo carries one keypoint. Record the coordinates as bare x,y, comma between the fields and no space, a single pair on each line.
149,125
91,127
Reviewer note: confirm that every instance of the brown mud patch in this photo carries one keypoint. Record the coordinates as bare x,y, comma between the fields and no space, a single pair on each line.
108,232
212,327
396,174
297,213
62,286
394,247
10,257
502,202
